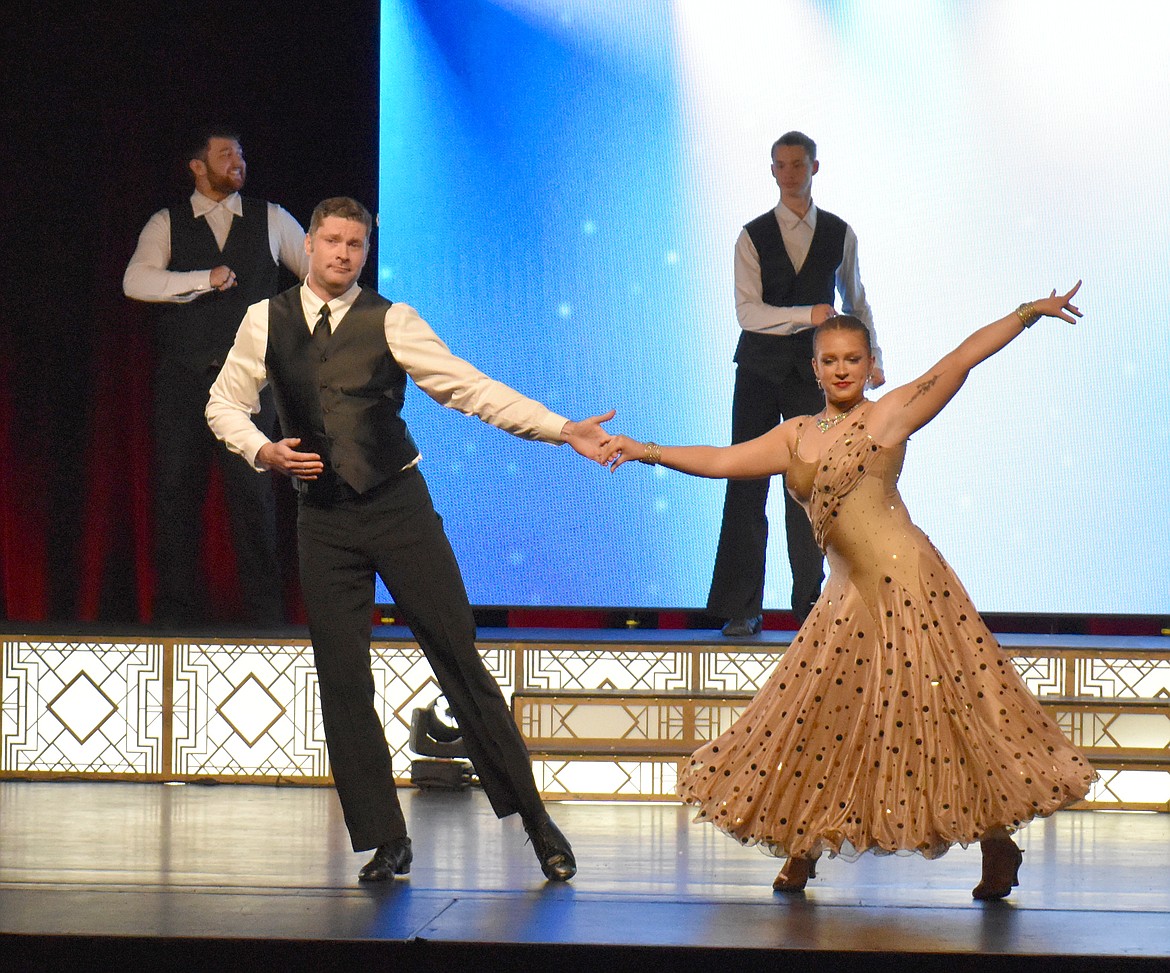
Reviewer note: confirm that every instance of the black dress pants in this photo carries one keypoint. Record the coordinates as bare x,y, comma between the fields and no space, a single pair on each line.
394,530
185,449
737,585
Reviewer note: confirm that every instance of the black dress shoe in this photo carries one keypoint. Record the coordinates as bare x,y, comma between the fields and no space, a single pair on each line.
552,849
741,628
392,858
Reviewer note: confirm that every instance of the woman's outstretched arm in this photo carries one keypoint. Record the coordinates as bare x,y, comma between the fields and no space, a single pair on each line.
764,456
905,410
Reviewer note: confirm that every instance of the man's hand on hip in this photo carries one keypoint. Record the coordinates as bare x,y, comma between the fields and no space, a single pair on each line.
283,458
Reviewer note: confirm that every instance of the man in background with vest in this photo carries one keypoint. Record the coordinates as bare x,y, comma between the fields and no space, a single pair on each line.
337,357
788,263
204,260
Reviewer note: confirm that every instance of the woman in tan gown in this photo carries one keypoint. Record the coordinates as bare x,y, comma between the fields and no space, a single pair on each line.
894,722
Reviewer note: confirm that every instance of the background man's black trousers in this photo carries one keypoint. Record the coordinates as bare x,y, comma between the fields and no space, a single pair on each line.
737,585
394,530
185,450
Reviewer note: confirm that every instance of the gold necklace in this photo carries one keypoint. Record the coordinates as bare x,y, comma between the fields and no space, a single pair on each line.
824,425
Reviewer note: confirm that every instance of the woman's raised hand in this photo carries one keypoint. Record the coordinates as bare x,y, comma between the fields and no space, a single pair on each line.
1060,305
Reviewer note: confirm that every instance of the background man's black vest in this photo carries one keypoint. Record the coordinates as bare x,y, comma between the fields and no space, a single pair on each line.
199,334
344,403
784,287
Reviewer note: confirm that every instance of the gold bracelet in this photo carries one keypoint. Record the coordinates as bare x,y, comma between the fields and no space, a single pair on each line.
1027,314
652,455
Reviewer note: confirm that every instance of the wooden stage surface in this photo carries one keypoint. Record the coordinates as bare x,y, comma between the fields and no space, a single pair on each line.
100,875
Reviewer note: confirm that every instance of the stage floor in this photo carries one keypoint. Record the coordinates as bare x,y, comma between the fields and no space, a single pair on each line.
235,862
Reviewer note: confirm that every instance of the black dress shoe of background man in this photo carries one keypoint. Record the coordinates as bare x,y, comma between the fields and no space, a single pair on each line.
552,849
392,858
741,628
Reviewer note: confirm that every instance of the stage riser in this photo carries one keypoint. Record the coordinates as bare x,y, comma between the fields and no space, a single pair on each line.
604,719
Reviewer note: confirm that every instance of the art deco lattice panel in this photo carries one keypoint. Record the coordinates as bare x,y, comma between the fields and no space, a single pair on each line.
1044,675
615,721
734,671
599,779
713,719
1137,730
404,682
253,711
1123,678
606,667
88,707
644,725
246,710
1135,790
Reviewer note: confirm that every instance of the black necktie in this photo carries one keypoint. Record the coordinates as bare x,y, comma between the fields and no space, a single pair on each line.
321,330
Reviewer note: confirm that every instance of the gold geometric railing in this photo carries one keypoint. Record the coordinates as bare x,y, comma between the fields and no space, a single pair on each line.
626,718
188,710
603,718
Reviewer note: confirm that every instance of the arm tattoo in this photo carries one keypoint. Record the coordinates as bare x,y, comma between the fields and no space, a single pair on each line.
923,388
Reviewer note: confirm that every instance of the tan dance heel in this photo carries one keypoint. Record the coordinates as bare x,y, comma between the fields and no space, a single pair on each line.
1001,869
795,874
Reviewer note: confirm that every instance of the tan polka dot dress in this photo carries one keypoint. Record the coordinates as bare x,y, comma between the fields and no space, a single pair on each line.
894,722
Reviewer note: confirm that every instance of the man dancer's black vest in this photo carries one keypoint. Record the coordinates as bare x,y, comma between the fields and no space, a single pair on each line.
200,333
344,402
767,354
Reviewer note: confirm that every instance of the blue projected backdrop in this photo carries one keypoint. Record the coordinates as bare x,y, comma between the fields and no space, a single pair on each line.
562,183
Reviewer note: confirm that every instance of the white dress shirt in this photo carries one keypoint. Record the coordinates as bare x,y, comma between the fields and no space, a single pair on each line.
797,233
147,277
446,378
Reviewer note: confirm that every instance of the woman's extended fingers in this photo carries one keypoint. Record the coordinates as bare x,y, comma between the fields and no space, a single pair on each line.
1061,306
1067,304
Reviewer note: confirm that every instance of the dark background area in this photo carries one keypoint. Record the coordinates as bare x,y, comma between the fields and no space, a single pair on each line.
97,105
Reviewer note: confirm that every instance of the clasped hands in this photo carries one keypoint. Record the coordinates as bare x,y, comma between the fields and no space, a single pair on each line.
590,438
222,278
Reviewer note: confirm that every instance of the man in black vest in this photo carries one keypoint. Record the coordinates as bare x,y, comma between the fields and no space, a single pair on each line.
204,260
788,263
337,357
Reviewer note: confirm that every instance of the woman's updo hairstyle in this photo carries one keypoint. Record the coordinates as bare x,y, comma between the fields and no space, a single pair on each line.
843,322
